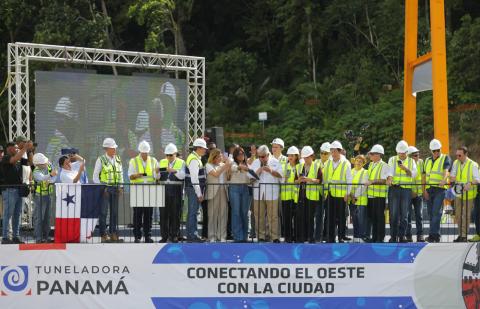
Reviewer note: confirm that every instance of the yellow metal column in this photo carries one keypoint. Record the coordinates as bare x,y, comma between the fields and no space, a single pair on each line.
409,101
439,73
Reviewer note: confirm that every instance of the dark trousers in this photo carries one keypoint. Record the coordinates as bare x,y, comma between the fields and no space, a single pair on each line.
376,216
335,218
170,214
288,217
319,226
109,205
305,220
415,212
205,219
142,218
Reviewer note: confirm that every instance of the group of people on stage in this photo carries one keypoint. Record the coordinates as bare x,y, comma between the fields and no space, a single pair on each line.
268,196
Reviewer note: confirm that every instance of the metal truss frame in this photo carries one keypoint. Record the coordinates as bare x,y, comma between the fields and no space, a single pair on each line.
20,54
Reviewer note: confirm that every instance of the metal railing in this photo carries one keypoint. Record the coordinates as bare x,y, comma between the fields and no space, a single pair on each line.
236,212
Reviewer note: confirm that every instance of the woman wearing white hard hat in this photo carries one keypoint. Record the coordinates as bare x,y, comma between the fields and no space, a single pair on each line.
436,176
277,148
338,177
310,180
172,170
378,172
403,170
289,192
109,171
239,195
43,177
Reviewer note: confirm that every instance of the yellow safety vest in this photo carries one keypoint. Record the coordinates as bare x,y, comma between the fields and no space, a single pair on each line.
375,173
177,165
434,171
288,190
357,182
201,171
43,187
149,169
400,176
111,173
417,188
465,175
336,178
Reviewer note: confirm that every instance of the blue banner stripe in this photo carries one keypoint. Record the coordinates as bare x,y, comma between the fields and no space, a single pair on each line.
282,302
287,253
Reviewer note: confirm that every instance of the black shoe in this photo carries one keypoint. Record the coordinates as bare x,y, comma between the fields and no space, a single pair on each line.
460,239
137,240
393,239
341,241
194,240
148,240
346,238
261,240
403,240
409,238
420,238
17,240
162,241
6,241
277,241
175,240
312,241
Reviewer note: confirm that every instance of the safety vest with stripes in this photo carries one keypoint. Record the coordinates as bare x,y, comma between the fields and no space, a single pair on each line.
177,165
289,191
312,191
417,188
434,171
43,187
201,172
110,174
465,175
336,178
149,169
357,183
375,173
400,177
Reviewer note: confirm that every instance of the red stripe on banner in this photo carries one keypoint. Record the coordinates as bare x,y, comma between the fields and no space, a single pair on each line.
58,246
67,230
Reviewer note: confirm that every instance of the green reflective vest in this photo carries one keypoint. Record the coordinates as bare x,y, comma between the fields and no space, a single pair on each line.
375,173
357,183
434,171
289,190
417,188
43,187
177,165
110,174
149,169
399,175
465,175
336,178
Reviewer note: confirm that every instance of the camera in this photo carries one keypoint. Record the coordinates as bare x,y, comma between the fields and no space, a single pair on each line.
399,162
144,174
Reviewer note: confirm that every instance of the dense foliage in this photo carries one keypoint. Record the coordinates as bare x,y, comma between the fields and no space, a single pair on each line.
318,68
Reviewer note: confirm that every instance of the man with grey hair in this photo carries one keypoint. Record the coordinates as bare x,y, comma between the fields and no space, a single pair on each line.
266,194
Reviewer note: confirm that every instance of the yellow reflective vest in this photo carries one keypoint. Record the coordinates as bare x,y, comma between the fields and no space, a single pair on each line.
289,190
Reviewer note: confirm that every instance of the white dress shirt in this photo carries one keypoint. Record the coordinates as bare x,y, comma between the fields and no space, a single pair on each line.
269,191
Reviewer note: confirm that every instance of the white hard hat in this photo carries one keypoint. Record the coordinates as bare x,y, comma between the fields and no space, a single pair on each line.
200,142
325,147
377,149
144,147
39,158
412,149
142,122
307,151
171,149
336,145
402,147
168,89
278,141
109,143
293,151
435,145
65,107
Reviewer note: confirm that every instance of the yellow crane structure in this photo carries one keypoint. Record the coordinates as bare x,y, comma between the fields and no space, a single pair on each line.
412,62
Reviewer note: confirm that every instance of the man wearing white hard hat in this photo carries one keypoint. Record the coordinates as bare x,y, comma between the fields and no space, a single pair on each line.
416,205
289,193
172,171
310,179
266,194
465,174
143,169
277,147
195,182
436,177
108,170
43,177
377,190
403,171
337,176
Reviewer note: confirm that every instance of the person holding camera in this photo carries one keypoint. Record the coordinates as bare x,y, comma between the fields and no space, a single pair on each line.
69,173
403,170
12,167
143,170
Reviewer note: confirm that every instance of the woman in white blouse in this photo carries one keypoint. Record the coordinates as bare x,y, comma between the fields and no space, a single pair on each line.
217,196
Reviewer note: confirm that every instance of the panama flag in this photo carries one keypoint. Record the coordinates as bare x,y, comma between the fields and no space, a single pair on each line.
77,211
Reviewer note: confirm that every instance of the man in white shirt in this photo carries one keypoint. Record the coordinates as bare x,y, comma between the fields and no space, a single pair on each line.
266,194
69,175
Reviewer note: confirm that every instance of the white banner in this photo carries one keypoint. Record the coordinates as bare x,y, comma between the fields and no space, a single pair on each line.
147,195
239,275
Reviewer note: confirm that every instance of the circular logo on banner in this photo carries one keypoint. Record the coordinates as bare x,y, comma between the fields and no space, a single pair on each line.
471,276
14,280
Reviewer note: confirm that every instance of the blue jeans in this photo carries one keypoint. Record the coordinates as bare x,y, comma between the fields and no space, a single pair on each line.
435,209
193,206
41,216
12,208
110,202
398,203
360,222
415,209
240,203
